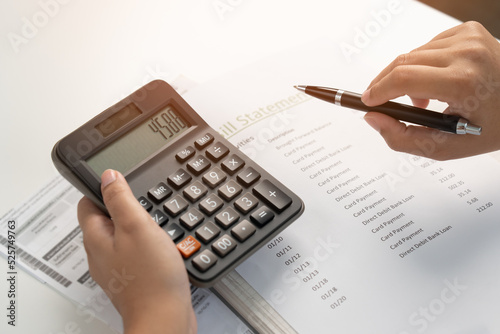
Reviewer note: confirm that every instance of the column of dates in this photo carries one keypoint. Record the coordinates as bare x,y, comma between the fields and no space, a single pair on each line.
305,269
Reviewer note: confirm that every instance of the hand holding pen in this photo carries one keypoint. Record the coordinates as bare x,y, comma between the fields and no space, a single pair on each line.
441,121
461,67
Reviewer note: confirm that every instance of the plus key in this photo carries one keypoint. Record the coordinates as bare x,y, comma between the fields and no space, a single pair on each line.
272,195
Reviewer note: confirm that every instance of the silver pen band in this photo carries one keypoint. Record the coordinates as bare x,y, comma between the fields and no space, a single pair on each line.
338,96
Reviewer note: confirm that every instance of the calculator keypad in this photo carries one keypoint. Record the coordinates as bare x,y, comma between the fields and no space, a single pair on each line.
213,202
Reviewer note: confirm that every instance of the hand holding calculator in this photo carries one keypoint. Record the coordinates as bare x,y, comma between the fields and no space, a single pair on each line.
215,203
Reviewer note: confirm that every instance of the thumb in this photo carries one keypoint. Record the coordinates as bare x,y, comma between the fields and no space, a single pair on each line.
408,139
396,134
118,198
385,125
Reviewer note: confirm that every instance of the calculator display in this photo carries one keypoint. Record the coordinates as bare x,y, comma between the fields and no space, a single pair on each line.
141,142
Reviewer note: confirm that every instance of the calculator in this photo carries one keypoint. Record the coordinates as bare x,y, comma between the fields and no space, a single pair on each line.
215,203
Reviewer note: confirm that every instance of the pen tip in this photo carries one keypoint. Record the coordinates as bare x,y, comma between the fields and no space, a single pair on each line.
300,87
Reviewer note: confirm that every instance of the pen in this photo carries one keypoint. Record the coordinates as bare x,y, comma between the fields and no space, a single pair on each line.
402,112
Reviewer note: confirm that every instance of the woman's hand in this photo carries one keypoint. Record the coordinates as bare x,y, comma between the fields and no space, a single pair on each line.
461,67
135,262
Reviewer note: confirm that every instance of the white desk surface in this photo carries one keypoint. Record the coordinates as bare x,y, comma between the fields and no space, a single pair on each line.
63,61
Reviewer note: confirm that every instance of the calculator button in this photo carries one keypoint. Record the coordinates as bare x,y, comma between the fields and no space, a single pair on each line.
246,203
243,230
230,190
210,204
214,177
207,232
191,218
248,176
262,216
174,231
204,260
232,164
160,192
272,195
217,151
224,245
188,246
147,205
204,141
227,217
179,178
195,191
198,165
185,154
175,206
159,217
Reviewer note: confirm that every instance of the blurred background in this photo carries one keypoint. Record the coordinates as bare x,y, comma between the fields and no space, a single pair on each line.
487,12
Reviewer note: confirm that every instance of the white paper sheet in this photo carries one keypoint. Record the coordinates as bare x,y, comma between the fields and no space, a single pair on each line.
388,242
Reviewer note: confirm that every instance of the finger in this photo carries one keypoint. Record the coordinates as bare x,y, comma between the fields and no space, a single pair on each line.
456,36
96,227
418,82
430,54
464,28
443,39
122,206
432,58
417,140
420,103
437,44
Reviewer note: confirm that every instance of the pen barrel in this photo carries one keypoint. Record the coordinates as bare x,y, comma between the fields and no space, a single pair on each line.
406,113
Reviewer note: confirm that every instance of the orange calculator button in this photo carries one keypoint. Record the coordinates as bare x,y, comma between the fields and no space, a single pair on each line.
188,246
